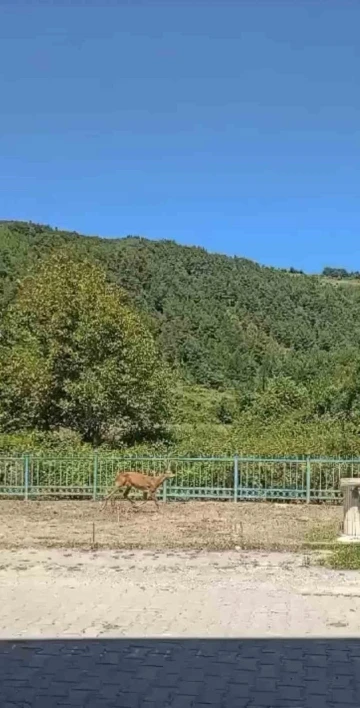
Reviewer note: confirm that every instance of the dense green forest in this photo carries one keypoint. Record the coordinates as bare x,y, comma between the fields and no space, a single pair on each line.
341,273
261,360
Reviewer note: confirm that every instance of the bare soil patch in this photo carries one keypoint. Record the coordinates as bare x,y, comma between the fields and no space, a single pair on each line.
191,525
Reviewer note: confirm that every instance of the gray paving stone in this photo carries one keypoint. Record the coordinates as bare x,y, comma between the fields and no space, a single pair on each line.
99,674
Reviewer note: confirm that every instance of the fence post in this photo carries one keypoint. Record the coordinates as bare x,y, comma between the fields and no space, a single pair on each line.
95,475
26,477
308,479
236,477
164,487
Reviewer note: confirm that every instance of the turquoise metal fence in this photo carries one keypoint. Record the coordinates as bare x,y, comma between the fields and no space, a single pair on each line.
229,478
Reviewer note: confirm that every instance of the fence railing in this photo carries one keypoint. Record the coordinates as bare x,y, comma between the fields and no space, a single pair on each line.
233,478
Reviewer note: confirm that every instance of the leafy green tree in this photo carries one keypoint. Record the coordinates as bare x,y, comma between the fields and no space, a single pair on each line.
281,396
74,354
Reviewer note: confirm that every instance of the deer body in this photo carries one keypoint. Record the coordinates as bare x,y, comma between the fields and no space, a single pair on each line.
136,480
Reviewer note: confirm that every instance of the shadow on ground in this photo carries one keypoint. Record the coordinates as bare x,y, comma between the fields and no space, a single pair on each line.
180,673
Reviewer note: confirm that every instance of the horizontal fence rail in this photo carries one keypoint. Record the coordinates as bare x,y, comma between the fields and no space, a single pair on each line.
235,478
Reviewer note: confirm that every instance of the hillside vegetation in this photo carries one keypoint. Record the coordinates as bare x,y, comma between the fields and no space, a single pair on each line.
263,360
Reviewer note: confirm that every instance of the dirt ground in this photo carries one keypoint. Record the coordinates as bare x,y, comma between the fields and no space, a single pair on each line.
187,526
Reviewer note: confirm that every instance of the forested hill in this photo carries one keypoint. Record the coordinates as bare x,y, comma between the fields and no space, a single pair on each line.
223,321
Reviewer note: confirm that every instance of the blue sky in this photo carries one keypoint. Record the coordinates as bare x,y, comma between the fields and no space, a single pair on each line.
230,125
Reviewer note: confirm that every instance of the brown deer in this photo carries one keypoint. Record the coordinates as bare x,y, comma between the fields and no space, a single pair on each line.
136,480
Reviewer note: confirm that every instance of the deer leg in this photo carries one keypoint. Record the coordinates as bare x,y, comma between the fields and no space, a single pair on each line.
110,496
152,497
145,498
113,500
126,494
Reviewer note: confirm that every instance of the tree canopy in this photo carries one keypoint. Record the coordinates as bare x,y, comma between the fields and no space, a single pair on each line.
75,354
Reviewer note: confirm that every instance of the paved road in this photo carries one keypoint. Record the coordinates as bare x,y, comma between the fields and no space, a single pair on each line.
181,673
176,630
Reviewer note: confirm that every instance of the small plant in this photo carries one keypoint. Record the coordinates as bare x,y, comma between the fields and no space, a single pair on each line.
344,557
225,412
320,536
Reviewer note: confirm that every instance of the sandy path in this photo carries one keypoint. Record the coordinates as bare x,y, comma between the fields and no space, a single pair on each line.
53,593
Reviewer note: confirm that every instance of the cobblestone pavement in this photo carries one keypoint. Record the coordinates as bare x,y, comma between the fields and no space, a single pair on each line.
176,630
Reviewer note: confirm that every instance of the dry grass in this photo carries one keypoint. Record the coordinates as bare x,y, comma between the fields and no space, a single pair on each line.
191,525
